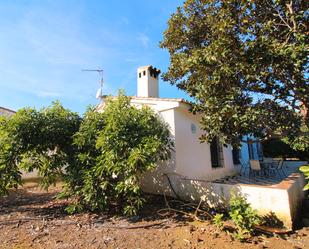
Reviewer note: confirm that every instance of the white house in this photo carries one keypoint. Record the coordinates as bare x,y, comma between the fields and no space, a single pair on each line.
202,171
191,158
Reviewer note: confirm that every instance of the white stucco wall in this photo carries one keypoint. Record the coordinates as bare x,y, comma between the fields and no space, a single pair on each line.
283,199
193,158
147,85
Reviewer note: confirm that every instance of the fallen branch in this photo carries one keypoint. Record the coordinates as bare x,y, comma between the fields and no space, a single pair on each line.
69,222
21,220
39,236
134,227
183,205
271,230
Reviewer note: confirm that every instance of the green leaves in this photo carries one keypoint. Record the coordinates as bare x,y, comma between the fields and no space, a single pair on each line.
243,216
245,63
218,220
305,170
41,140
116,147
100,158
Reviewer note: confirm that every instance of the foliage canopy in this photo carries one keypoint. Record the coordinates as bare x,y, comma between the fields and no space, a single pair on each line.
246,64
276,148
116,147
100,158
41,140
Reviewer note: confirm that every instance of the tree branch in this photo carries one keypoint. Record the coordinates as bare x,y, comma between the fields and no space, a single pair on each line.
291,11
282,19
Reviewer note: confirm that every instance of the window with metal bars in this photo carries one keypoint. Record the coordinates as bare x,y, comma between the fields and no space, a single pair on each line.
236,155
216,153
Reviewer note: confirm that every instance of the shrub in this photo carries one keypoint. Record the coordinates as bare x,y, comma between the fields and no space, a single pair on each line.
40,140
305,170
243,216
116,147
101,159
217,220
9,173
86,156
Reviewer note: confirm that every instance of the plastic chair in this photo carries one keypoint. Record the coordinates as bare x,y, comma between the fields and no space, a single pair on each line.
255,167
277,169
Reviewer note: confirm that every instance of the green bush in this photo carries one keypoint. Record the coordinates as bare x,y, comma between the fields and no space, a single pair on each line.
85,158
40,140
101,158
10,176
217,220
305,170
243,216
116,147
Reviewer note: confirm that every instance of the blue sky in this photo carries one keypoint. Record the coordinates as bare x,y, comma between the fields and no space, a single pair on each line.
45,44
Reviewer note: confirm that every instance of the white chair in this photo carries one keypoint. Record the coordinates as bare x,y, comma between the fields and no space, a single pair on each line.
255,167
277,168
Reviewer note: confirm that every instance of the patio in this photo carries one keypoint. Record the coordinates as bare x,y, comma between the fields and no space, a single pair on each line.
273,195
276,180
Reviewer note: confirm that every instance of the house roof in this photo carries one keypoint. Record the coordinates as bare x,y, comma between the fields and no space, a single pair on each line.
6,112
162,99
172,102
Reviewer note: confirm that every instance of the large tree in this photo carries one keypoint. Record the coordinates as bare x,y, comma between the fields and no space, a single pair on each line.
246,65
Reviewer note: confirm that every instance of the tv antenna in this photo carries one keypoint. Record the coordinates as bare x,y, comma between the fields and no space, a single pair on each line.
99,94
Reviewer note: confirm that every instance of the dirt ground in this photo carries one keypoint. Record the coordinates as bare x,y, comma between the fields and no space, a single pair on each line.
32,218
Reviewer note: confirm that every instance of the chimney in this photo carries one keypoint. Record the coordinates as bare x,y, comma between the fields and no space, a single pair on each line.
148,82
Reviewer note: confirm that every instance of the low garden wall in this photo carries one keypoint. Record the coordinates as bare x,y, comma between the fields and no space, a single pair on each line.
280,201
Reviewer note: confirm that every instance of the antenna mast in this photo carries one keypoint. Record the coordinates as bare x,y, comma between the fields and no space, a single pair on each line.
99,94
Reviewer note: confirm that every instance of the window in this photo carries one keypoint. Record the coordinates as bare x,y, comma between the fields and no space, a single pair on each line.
236,155
139,75
144,73
216,153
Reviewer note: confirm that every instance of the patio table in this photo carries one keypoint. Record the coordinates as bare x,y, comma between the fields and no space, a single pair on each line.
265,167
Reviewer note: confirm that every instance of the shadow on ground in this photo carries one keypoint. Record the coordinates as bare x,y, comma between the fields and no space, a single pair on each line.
31,201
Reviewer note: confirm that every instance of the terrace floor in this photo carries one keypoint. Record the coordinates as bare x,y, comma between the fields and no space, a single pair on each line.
275,180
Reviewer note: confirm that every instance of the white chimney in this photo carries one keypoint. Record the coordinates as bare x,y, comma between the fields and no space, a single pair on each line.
148,82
